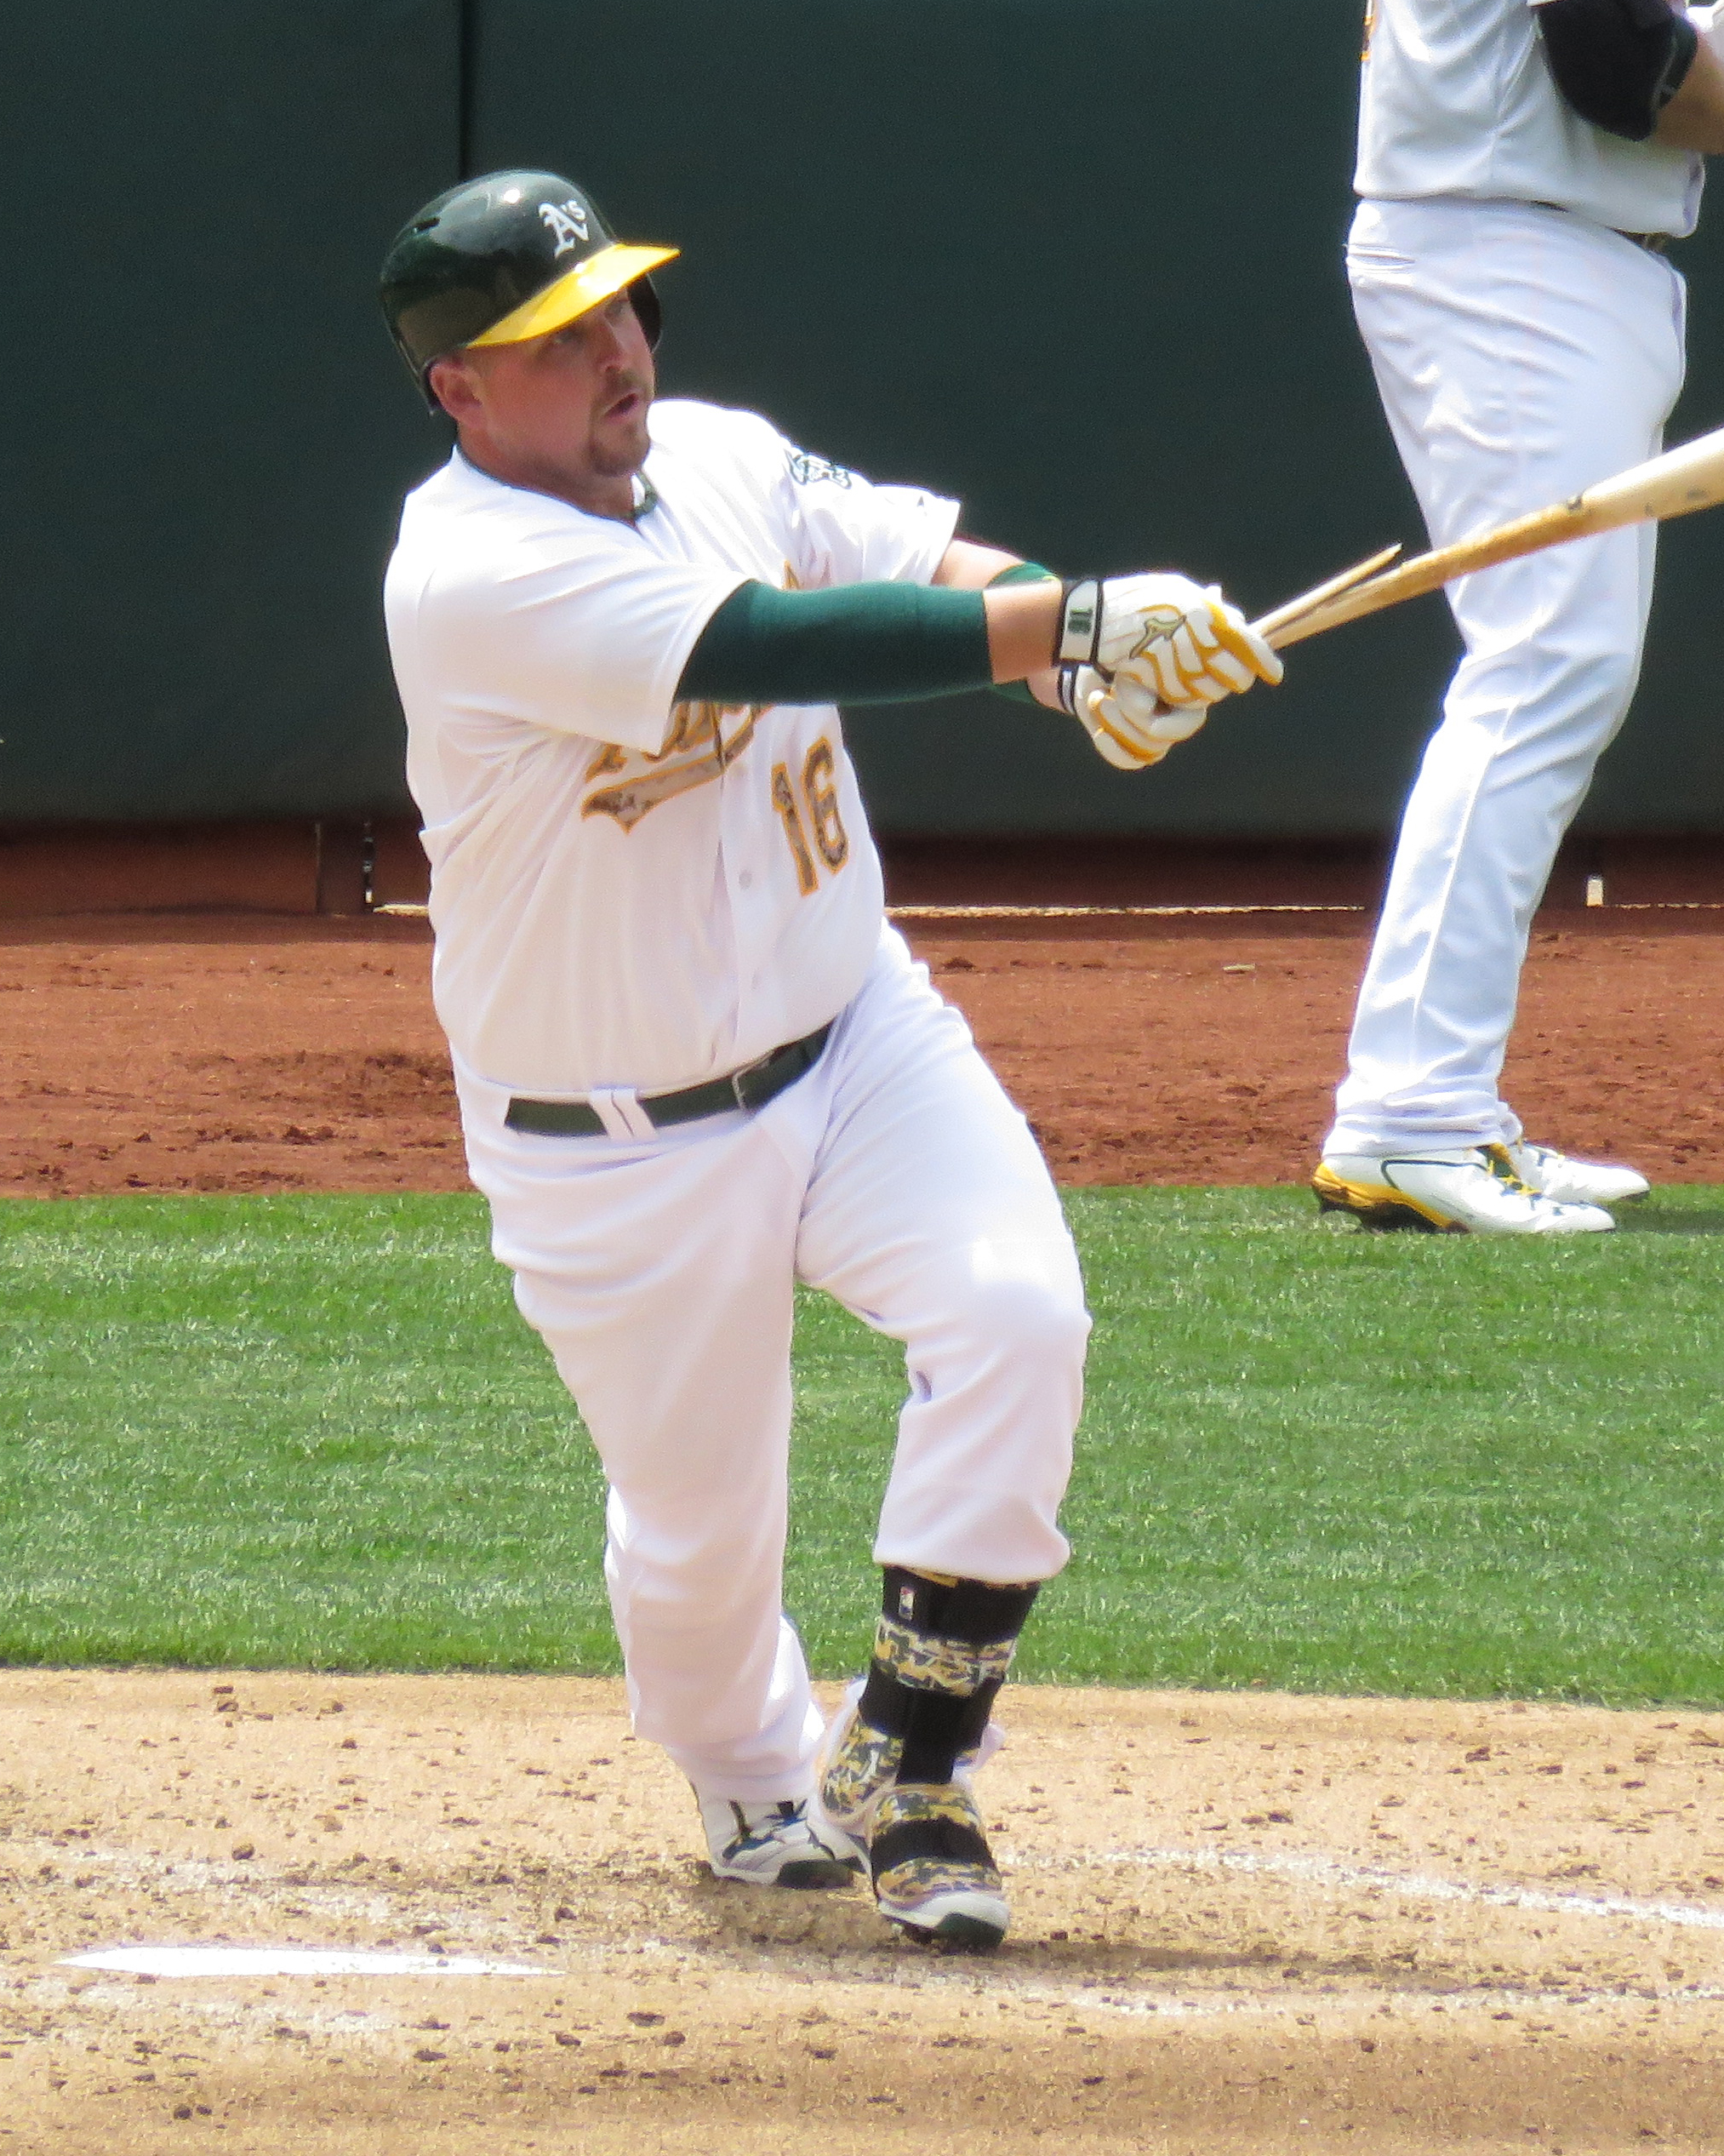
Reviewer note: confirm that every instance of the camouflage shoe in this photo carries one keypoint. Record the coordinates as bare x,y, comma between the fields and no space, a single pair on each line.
857,1761
934,1873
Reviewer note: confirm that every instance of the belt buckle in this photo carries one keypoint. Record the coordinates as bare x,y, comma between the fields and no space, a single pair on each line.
738,1079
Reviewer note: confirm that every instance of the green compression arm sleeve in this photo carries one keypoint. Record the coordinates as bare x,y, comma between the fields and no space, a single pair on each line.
860,644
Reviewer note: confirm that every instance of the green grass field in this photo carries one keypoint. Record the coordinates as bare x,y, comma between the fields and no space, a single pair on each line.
313,1432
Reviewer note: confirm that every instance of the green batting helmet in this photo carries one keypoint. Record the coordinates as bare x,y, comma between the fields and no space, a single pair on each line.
499,260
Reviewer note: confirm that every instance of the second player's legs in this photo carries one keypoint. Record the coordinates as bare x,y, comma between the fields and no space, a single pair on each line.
1521,356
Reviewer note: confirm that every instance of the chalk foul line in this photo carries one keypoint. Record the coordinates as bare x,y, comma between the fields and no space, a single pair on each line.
1325,1870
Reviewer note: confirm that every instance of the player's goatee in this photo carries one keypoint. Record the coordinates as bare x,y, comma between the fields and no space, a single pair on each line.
625,444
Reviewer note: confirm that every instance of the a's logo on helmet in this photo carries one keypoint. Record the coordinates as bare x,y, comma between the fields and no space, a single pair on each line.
567,220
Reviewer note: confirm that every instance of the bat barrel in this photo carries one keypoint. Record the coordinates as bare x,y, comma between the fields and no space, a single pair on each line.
1688,478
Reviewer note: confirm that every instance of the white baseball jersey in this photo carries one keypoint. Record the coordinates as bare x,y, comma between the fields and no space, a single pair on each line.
1458,100
628,892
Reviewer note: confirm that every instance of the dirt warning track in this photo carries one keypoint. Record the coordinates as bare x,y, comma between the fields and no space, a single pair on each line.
1253,1922
244,1053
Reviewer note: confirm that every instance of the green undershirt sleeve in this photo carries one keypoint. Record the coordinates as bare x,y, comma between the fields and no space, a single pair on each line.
860,644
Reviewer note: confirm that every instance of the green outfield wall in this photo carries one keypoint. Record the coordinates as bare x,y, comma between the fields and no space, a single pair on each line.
1078,261
208,431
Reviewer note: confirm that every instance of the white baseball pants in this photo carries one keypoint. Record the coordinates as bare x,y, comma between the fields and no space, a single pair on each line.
896,1175
1521,355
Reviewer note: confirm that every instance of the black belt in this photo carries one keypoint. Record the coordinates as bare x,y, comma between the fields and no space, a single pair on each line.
751,1087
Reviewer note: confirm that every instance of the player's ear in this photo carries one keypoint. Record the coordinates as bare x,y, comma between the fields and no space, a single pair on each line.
451,382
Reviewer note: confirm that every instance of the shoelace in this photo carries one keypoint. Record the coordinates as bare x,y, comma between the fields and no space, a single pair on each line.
1503,1167
787,1814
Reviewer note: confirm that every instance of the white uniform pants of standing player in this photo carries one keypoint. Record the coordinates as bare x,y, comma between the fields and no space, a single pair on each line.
1521,355
897,1176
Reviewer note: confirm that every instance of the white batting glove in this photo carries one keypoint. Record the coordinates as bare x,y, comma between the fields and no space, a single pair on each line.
1185,642
1128,722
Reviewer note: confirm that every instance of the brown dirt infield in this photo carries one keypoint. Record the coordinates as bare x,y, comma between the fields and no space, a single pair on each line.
235,1052
1247,1922
1252,1922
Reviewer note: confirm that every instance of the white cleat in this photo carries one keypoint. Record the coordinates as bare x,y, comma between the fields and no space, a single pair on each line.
774,1845
1574,1182
1472,1190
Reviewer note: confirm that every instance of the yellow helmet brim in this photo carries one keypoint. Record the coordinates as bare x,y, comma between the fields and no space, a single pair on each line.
589,285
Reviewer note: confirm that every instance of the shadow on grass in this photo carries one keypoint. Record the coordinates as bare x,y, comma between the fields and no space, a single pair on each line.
1657,1220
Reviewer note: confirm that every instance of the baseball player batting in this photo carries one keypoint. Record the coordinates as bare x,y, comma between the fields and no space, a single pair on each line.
694,1064
1521,169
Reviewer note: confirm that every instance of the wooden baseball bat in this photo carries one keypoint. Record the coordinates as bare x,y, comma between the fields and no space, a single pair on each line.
1674,484
1269,628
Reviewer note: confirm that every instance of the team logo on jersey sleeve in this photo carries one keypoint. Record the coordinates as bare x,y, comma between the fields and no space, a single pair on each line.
628,784
810,471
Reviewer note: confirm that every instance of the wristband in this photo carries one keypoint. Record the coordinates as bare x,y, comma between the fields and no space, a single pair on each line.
1078,639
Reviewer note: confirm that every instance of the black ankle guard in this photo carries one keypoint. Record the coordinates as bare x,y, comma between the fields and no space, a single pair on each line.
939,1712
972,1610
935,1726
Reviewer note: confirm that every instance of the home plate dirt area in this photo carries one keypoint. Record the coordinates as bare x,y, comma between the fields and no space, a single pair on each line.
436,1915
1242,1922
